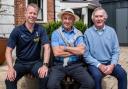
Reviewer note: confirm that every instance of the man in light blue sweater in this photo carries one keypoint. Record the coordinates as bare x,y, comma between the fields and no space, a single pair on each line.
102,51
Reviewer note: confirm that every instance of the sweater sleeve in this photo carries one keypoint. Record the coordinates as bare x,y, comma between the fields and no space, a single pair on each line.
115,49
89,59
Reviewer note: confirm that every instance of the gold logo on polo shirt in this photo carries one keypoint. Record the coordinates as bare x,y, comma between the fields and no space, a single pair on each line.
36,38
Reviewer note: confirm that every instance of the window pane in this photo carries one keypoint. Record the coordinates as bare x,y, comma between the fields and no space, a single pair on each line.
78,12
40,5
32,1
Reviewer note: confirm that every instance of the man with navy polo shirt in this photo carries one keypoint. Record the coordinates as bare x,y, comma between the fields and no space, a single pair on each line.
67,44
28,39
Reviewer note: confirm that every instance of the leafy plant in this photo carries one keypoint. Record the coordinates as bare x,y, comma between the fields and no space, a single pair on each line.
80,26
53,25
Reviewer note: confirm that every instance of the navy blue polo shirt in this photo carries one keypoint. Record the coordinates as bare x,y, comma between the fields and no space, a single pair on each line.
28,44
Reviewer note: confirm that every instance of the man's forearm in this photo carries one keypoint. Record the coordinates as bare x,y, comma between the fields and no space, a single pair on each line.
59,51
9,63
8,56
46,53
75,50
64,54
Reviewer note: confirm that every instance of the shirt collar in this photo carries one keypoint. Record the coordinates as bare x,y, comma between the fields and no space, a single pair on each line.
73,30
26,29
100,29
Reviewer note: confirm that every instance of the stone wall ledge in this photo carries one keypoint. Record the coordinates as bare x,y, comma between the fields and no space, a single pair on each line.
108,82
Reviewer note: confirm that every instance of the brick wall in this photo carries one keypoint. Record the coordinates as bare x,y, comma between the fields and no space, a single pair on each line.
51,10
20,8
19,11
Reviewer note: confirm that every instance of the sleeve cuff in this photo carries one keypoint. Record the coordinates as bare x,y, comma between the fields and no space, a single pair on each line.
114,62
98,65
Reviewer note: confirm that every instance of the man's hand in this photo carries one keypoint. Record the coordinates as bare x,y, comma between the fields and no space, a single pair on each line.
102,68
43,71
11,74
109,69
106,69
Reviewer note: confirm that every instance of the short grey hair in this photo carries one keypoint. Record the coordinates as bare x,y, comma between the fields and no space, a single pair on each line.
33,5
99,9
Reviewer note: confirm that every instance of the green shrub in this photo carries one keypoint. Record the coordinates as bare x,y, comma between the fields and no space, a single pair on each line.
80,26
51,26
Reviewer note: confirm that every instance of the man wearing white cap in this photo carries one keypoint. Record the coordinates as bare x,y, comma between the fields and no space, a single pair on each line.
67,44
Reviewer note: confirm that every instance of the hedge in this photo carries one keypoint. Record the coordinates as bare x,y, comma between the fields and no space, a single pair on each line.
53,25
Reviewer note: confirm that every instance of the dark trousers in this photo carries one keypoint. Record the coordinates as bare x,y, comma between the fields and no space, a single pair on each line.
118,72
76,71
22,69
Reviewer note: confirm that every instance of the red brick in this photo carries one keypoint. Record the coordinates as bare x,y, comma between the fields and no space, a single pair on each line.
20,10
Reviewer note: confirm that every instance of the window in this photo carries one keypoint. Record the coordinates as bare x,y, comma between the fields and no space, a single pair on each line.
78,12
42,4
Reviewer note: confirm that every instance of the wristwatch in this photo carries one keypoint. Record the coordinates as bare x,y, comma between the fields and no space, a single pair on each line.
45,64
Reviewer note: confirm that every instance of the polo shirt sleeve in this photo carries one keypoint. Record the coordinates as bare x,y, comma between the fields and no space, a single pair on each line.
55,39
12,39
44,37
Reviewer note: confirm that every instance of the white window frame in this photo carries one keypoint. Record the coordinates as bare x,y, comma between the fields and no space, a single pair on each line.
44,6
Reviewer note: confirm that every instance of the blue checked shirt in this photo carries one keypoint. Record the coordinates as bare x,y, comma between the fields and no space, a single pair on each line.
56,40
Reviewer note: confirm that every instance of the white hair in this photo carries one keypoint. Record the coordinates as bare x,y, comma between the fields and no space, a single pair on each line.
99,9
